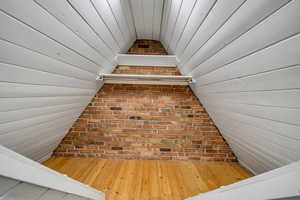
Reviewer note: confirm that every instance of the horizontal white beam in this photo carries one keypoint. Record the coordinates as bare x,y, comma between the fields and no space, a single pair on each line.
170,77
16,166
146,60
145,79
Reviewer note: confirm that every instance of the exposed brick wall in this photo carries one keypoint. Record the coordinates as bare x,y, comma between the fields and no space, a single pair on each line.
145,122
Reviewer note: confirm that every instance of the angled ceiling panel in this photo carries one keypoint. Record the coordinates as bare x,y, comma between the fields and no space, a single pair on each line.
244,57
147,18
50,54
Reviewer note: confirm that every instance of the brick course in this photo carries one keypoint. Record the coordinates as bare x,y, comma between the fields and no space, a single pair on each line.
147,70
160,122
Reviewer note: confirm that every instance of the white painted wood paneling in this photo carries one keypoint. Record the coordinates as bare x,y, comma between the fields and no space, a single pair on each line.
30,121
15,90
6,184
213,21
15,190
24,191
111,20
284,115
244,58
38,180
279,148
197,17
28,140
11,104
183,17
36,41
9,52
262,81
129,16
13,73
278,56
172,19
247,16
138,17
53,194
148,10
270,31
21,114
157,15
117,9
147,18
35,16
88,12
64,12
280,98
165,17
104,10
50,55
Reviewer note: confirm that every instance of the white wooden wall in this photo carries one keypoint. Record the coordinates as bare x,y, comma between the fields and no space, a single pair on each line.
147,16
11,189
244,56
50,55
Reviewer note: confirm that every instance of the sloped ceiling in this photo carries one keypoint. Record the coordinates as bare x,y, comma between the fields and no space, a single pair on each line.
244,56
147,18
50,54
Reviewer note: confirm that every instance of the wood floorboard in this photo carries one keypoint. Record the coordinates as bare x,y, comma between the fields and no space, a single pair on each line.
149,180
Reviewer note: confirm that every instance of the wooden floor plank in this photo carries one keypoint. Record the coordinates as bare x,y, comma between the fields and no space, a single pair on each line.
149,180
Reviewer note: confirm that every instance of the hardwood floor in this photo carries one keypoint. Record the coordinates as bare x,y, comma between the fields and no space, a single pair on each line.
149,180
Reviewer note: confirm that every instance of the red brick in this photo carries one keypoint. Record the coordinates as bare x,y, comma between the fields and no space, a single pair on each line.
145,121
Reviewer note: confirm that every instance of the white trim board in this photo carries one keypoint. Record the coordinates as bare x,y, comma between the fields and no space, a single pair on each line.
145,79
146,60
278,183
16,166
